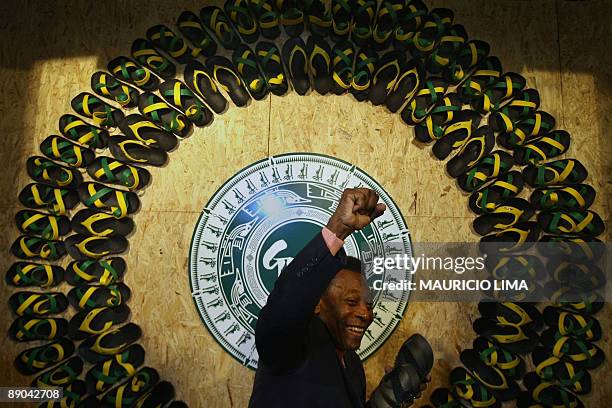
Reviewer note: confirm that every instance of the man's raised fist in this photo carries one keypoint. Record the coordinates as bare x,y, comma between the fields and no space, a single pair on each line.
357,208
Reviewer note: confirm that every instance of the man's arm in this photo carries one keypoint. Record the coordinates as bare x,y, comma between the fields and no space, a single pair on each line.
283,322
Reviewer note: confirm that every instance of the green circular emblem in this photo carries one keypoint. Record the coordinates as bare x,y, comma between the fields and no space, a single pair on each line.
259,220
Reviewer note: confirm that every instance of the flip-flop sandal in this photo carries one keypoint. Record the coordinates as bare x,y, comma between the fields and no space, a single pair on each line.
111,171
92,107
486,74
389,68
408,86
386,22
517,238
410,20
291,17
572,324
95,272
514,338
450,43
200,80
77,130
36,359
42,196
33,328
505,389
587,277
62,375
583,223
432,128
160,394
444,398
224,73
515,313
95,321
456,133
575,300
515,267
471,152
29,247
565,171
547,147
574,197
494,165
83,247
547,393
269,58
267,16
398,387
319,64
508,86
146,55
416,352
318,18
582,354
25,274
489,197
191,28
344,57
551,368
178,95
510,212
163,116
425,100
364,14
108,87
467,58
511,364
525,104
37,304
466,387
128,393
341,20
238,13
74,155
46,226
219,25
73,395
97,349
249,70
425,40
366,60
127,70
527,130
46,171
103,376
134,151
164,39
137,127
87,297
93,222
572,249
295,58
116,202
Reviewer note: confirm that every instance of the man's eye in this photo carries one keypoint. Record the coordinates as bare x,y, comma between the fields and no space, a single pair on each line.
351,302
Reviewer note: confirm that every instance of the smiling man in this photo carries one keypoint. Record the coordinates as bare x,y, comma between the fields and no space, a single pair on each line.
315,318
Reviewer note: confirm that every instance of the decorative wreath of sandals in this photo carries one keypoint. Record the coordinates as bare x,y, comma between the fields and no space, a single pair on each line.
414,61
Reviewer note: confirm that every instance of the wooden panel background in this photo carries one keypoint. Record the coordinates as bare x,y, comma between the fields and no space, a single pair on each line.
50,49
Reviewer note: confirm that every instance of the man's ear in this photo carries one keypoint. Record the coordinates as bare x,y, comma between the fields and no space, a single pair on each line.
318,307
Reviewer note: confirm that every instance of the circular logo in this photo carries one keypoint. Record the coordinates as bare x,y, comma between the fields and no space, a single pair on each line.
259,220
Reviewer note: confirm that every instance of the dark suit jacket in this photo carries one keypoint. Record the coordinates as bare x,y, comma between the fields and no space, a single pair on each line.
298,365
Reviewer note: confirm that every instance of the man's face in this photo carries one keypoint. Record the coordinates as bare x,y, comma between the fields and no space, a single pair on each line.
346,309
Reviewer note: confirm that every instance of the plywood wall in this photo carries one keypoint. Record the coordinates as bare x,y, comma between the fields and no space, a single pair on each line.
50,49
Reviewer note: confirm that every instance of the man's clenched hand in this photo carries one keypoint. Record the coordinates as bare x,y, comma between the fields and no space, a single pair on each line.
357,208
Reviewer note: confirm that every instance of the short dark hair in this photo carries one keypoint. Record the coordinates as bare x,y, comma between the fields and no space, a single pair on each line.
352,264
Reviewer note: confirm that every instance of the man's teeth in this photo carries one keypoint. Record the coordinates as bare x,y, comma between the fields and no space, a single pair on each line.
356,329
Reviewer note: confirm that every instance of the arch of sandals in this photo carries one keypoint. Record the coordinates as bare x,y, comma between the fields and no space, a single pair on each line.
434,36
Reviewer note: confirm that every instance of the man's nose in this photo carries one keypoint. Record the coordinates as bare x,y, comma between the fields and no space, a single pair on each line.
363,311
